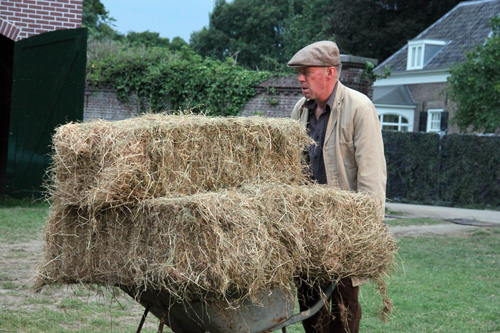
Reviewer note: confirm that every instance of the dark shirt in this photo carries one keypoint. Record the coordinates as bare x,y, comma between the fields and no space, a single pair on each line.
316,128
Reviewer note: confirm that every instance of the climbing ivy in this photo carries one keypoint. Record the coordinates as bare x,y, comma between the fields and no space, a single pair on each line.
175,80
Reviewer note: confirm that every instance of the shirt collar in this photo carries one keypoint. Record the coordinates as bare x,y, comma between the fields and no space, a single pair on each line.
311,103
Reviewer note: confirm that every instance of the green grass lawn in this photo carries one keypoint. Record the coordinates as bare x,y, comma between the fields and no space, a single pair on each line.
74,315
21,220
440,284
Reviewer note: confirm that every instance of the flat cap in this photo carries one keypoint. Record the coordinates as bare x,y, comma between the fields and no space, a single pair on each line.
319,54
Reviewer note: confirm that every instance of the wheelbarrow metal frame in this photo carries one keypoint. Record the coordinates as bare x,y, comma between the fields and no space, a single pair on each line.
189,319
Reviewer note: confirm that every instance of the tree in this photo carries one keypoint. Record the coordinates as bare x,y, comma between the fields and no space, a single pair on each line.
147,38
378,28
299,27
96,18
251,32
475,86
178,44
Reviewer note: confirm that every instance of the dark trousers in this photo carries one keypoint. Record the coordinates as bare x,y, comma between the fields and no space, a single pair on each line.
345,313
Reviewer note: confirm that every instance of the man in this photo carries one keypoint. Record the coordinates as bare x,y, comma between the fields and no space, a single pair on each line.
348,154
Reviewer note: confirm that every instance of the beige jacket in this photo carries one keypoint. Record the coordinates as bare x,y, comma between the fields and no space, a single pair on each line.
353,149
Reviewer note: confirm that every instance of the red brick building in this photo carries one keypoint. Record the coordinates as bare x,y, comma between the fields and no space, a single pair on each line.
414,98
20,19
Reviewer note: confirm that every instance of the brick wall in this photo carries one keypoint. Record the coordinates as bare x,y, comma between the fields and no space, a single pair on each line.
275,97
102,103
21,19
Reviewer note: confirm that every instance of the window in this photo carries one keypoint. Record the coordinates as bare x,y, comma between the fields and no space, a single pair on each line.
394,122
416,57
434,120
421,51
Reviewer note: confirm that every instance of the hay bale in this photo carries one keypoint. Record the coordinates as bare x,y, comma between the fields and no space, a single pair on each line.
215,244
124,162
201,208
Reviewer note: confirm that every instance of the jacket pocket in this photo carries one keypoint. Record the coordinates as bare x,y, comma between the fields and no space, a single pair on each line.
348,154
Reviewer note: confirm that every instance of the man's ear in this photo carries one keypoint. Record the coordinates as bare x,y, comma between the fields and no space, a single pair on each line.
332,72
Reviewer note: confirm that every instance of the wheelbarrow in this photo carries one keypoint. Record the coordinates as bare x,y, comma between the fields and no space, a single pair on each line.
273,310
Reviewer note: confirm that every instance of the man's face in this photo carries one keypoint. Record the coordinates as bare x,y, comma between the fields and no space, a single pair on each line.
313,81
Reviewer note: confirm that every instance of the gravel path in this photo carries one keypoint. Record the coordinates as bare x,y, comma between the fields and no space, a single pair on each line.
433,229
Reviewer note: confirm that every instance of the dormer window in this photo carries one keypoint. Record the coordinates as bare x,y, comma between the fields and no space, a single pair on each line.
421,51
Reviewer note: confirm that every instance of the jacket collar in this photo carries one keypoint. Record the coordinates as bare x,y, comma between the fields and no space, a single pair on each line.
335,115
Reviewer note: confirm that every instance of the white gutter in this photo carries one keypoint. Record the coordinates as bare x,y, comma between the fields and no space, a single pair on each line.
414,77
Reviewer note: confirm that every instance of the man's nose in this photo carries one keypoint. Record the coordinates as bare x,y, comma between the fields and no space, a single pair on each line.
302,78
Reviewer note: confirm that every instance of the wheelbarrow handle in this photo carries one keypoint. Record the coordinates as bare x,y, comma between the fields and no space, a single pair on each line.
306,313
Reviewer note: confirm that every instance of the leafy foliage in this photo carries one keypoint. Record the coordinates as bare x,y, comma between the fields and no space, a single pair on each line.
475,86
248,31
175,80
299,30
151,39
147,38
369,72
260,33
165,74
96,18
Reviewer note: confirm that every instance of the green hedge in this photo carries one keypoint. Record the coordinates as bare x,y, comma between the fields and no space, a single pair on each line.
470,170
412,166
453,170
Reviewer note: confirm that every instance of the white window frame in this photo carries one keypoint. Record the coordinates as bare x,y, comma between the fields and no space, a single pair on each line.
400,124
434,125
416,52
415,58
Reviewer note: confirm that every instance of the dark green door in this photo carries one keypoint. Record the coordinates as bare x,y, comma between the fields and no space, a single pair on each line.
47,90
6,59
